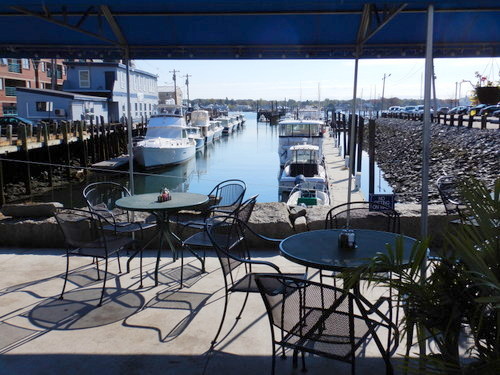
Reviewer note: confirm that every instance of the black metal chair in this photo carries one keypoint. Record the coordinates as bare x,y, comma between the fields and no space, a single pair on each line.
201,240
450,196
373,215
310,317
101,198
84,235
225,198
228,237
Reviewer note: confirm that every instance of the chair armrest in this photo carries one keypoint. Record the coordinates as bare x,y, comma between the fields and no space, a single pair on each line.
269,239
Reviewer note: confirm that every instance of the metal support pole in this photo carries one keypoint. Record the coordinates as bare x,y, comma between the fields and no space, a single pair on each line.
426,144
352,135
129,129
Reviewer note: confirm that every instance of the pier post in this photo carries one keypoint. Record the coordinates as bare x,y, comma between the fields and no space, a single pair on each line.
471,121
24,141
460,120
452,120
9,134
360,142
344,128
92,139
483,121
2,194
65,132
83,143
371,153
45,131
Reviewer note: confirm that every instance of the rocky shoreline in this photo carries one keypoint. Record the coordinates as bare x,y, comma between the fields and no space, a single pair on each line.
454,151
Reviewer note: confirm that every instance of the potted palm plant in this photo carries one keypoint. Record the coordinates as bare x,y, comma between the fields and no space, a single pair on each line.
458,291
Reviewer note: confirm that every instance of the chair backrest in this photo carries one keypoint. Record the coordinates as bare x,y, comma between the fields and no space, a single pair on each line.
363,214
448,191
287,299
337,320
244,212
101,197
227,237
228,193
78,226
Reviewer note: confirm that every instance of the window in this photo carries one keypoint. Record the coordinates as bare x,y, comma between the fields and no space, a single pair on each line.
42,106
28,84
140,106
84,76
64,71
26,63
9,109
3,61
1,84
42,66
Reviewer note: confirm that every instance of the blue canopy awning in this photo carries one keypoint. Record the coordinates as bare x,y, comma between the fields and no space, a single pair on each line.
232,29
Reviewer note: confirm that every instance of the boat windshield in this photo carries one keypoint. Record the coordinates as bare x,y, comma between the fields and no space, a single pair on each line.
299,130
305,156
168,132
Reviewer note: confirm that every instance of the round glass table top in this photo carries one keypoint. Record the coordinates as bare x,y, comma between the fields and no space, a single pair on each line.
149,202
320,249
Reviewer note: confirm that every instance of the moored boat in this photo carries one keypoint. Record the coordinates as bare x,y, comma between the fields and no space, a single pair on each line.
295,132
166,141
306,161
303,194
201,119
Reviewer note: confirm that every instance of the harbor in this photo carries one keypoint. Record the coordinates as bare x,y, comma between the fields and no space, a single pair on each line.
276,187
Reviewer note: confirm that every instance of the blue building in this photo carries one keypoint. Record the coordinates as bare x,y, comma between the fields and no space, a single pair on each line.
108,80
43,104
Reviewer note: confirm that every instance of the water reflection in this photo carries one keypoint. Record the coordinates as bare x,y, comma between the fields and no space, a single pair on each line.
174,178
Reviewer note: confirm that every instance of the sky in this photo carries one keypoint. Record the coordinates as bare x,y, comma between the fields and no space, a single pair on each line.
300,79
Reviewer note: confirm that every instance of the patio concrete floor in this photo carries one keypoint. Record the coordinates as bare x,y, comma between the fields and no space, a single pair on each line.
153,330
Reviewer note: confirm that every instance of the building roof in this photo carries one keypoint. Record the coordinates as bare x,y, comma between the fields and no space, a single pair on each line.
233,29
63,94
113,64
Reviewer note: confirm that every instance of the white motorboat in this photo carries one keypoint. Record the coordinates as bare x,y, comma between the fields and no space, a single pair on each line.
217,128
227,125
166,143
295,132
307,163
201,119
193,132
303,194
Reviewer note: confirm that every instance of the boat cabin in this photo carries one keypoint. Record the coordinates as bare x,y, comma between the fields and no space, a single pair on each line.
305,160
299,128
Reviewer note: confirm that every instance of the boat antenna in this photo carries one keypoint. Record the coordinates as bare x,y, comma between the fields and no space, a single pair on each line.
174,77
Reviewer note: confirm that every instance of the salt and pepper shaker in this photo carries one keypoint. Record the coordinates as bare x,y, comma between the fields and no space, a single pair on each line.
164,195
347,239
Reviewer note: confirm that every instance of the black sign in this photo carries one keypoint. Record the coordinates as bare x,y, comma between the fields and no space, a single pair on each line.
381,202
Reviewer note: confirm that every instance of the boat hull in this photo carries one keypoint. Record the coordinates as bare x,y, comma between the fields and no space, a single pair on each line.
154,157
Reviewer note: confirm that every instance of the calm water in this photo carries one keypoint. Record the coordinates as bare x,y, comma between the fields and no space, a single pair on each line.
249,154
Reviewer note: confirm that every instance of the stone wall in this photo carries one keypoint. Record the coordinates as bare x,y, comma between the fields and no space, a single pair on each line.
269,219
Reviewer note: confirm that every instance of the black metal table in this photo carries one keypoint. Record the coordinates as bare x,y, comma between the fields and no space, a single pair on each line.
162,211
319,248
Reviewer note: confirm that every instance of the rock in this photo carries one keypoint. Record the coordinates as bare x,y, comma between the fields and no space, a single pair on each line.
316,217
296,212
271,220
300,224
30,210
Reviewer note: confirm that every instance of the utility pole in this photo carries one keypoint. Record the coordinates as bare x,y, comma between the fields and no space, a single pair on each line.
187,86
174,77
53,79
383,90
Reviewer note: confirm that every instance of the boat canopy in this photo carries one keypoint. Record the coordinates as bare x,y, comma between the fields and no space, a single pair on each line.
199,118
297,128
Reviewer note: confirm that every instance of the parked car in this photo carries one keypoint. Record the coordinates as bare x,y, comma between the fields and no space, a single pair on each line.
393,109
473,111
496,114
460,110
409,109
443,110
15,121
488,110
